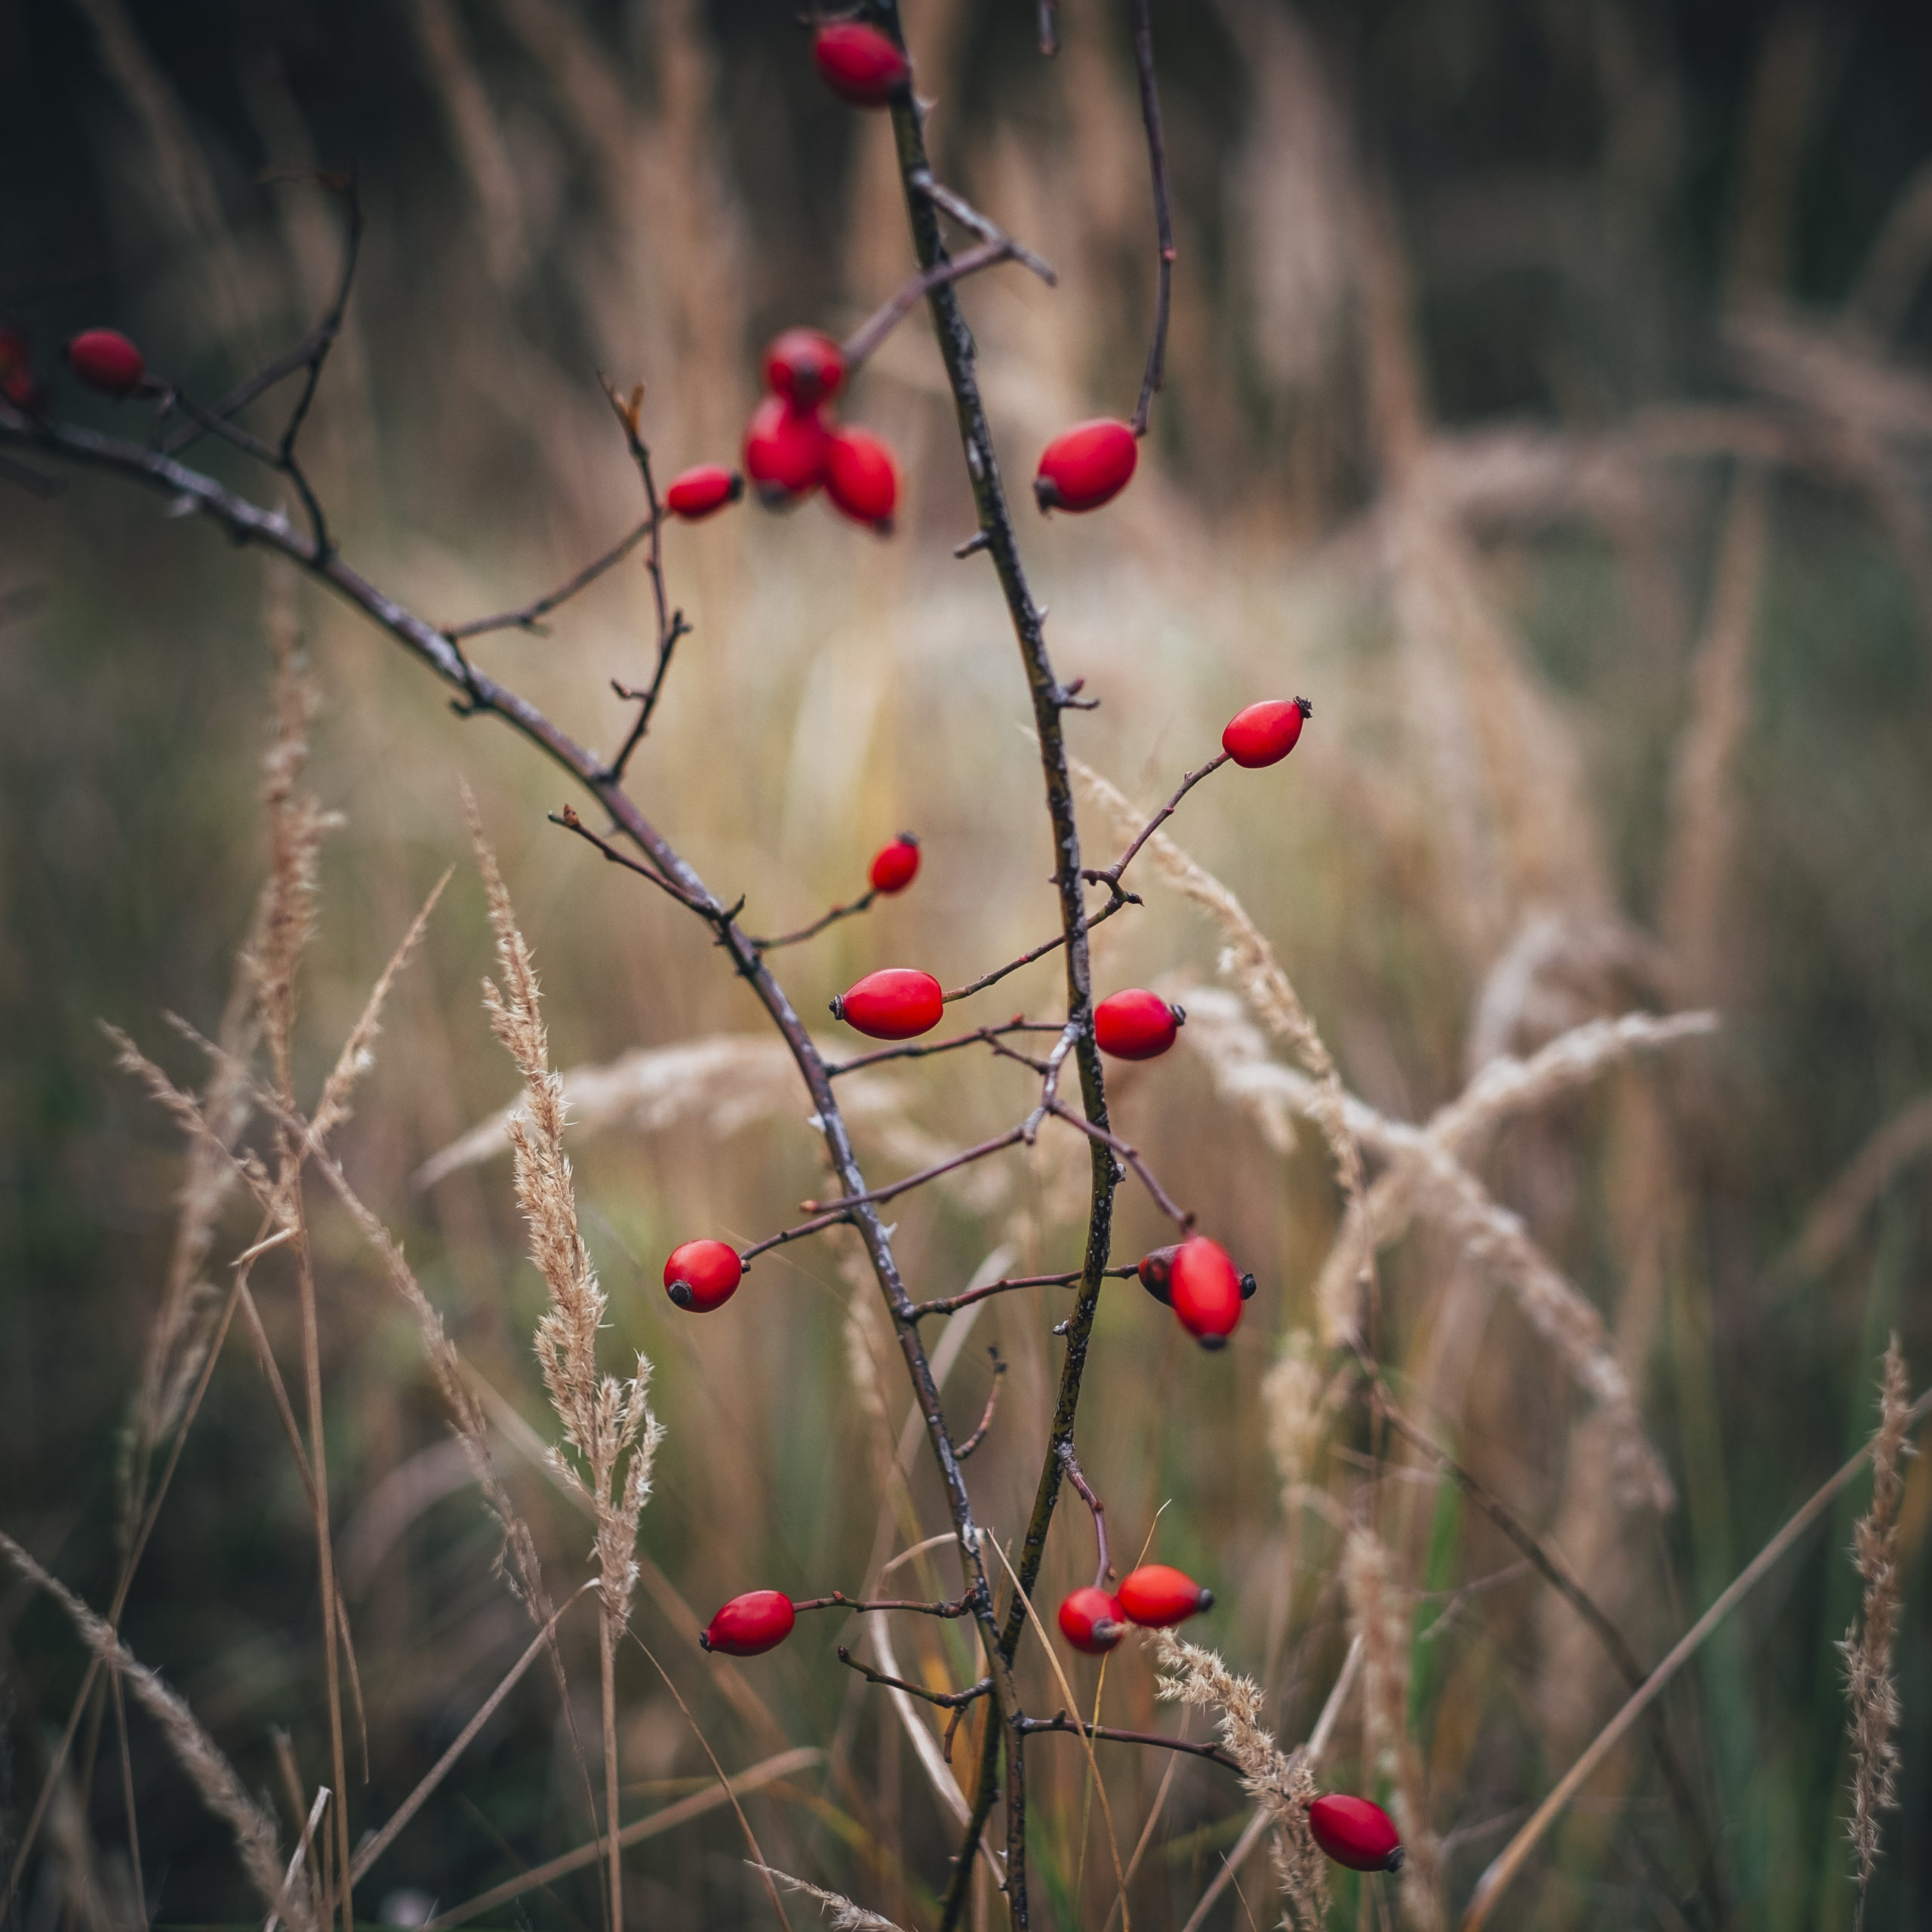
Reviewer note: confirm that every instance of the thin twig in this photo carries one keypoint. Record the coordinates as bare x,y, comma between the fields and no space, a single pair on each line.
873,330
1106,1734
849,910
1075,1475
922,1050
567,818
946,1700
1110,877
529,617
1164,213
949,1607
1087,923
979,1436
920,180
950,1304
1182,1218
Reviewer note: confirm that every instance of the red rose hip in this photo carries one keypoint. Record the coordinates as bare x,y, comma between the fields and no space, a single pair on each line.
1264,733
1207,1291
896,866
1092,1621
1155,1270
1136,1024
1159,1596
1085,466
805,365
106,361
862,478
702,1275
697,493
858,63
898,1003
1356,1833
785,451
757,1621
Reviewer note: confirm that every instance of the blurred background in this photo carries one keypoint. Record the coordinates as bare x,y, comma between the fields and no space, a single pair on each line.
1548,400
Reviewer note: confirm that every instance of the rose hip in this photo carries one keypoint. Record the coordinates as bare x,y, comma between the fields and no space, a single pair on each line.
859,64
1092,1621
702,1275
898,1003
896,866
106,361
861,478
804,364
1356,1833
1136,1024
697,493
1206,1290
1157,1596
1264,733
1085,466
785,451
757,1621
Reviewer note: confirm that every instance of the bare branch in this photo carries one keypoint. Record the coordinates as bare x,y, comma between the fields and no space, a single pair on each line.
951,1700
979,1436
849,910
1163,212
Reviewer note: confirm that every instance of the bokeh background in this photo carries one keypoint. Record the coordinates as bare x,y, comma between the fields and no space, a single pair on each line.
1548,400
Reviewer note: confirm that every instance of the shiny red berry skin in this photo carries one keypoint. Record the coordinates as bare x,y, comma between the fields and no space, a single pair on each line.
1158,1596
1155,1270
757,1621
1087,465
697,493
859,64
1136,1024
702,1275
106,361
1206,1290
861,478
1356,1833
896,866
805,365
897,1003
1092,1621
1264,733
785,451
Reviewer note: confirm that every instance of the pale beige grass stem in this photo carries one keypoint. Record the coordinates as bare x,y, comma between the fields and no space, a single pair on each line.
1504,1868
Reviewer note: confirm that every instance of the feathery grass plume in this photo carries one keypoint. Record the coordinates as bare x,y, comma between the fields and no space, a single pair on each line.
608,1422
1379,1618
846,1917
1291,1394
1282,1784
1250,961
207,1770
1867,1647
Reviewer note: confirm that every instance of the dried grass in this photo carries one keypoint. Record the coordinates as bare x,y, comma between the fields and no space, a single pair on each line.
1281,1785
846,1917
199,1757
1379,1617
1867,1646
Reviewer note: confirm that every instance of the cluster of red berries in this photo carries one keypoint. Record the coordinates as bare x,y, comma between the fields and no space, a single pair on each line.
790,448
1156,1596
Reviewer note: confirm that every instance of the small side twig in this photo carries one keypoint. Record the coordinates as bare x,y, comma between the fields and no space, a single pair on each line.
1107,1734
950,1304
1077,1477
1182,1218
963,1449
921,181
866,337
1040,951
950,1700
849,910
530,616
569,820
1110,876
1164,213
925,1048
950,1606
